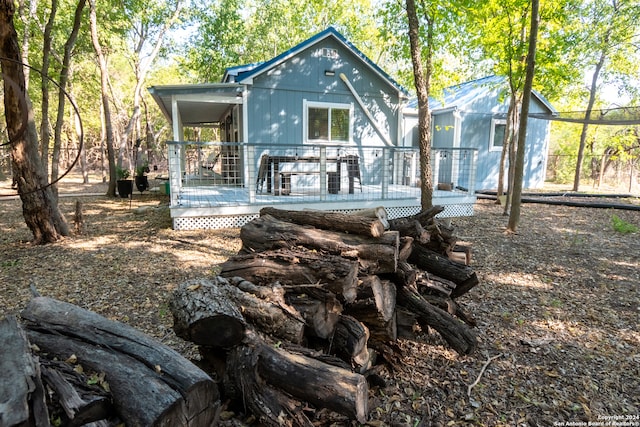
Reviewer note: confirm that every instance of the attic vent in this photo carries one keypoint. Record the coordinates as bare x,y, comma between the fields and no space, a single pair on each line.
330,53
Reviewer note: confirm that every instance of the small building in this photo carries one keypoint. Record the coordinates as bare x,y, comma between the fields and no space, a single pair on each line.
474,115
319,126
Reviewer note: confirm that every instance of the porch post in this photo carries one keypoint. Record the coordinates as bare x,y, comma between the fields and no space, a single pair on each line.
252,173
385,171
472,173
323,173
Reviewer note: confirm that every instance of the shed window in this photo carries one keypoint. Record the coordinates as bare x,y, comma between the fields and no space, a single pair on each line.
328,122
498,128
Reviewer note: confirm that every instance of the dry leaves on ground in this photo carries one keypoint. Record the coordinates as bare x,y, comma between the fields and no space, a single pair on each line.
558,305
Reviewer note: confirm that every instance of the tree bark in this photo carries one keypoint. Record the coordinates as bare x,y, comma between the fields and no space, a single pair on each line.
319,307
22,395
350,341
334,221
203,314
463,276
375,255
81,402
296,267
68,329
455,333
322,385
39,208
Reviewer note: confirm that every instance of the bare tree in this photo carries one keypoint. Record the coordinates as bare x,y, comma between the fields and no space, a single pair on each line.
39,207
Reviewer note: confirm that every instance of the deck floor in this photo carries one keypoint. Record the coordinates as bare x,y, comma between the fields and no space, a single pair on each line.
218,196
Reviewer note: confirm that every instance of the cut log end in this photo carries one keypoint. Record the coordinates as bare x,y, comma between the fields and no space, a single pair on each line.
228,331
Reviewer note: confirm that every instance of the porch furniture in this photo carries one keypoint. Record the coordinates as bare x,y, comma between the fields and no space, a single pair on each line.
269,170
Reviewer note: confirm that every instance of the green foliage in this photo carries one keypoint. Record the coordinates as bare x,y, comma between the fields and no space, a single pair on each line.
122,173
621,226
142,168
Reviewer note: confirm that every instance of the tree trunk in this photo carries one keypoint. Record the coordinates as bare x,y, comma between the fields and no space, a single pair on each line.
375,255
106,108
422,79
514,214
39,207
62,95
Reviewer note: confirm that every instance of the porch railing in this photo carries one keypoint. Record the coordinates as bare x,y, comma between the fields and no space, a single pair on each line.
215,173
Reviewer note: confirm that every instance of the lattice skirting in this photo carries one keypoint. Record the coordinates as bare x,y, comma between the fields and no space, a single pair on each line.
236,221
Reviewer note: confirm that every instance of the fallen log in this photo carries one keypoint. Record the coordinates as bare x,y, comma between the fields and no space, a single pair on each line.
355,224
462,275
319,307
203,314
81,402
375,255
203,298
196,395
454,332
307,379
414,225
376,307
295,267
450,306
378,212
156,403
269,405
22,396
350,341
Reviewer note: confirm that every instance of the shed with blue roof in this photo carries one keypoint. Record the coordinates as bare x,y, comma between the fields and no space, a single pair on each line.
474,115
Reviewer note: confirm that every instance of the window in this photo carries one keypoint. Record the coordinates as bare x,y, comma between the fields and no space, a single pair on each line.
327,122
496,140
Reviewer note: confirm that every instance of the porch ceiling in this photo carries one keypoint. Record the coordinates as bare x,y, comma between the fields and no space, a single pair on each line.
197,105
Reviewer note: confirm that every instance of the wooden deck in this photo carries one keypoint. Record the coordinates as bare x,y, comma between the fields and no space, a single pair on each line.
222,207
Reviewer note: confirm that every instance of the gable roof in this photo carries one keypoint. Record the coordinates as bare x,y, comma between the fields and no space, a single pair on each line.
246,73
465,93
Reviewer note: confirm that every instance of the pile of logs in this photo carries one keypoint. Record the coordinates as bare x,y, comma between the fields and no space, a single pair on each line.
73,367
294,325
308,310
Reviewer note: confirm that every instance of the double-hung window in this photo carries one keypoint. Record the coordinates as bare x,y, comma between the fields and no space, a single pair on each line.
496,140
327,122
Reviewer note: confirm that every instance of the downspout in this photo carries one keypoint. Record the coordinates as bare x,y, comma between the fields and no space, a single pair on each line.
384,137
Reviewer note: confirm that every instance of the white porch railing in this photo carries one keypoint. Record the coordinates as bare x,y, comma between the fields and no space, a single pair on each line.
210,174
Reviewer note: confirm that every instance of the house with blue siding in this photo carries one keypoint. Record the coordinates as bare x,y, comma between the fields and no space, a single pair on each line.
319,126
474,115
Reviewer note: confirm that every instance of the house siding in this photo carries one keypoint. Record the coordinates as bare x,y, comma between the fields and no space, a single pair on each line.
276,97
477,108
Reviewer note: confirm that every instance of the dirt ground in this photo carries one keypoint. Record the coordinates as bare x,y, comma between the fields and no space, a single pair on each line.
558,307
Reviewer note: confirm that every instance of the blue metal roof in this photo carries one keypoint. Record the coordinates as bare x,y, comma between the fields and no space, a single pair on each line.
231,74
247,72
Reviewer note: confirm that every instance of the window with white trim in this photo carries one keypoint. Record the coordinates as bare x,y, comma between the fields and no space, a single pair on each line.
496,140
327,122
